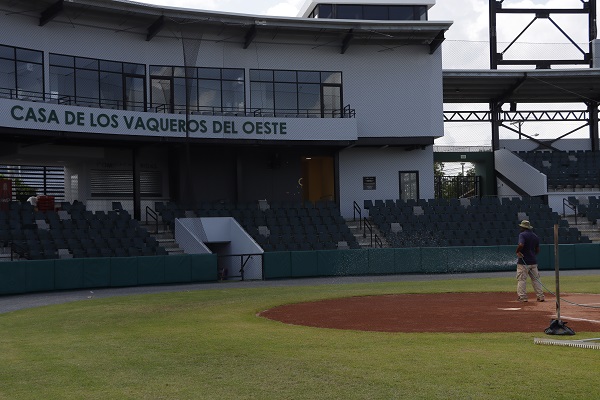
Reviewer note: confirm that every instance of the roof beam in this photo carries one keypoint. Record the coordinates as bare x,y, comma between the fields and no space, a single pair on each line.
346,42
436,42
51,12
250,35
512,89
155,28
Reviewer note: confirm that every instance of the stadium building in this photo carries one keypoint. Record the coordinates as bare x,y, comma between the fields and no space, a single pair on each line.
253,141
141,103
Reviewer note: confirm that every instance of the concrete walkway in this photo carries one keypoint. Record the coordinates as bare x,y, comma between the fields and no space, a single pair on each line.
10,303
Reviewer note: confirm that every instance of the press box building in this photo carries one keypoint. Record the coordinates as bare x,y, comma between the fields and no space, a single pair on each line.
342,103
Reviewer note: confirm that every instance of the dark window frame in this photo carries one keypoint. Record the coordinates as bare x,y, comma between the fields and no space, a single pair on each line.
98,69
261,76
16,91
174,107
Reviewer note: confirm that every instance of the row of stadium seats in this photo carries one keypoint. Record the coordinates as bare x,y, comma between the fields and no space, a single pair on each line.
436,223
569,170
73,231
276,226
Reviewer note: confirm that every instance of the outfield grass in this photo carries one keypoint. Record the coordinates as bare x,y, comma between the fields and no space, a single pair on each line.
209,344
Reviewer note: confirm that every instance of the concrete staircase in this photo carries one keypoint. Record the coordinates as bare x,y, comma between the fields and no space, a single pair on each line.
365,242
164,237
585,227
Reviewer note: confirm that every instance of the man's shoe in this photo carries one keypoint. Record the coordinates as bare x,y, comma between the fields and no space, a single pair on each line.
522,299
541,299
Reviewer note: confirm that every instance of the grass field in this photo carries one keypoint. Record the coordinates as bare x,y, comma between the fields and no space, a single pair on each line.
209,344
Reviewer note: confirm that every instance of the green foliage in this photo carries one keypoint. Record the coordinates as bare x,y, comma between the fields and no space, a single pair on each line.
210,344
20,189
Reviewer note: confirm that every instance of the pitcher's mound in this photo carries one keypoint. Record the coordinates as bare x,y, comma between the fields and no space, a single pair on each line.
442,312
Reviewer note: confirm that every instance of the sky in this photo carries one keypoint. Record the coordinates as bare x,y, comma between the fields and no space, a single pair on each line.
466,46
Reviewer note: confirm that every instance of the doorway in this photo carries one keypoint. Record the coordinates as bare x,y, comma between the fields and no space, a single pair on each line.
318,178
409,185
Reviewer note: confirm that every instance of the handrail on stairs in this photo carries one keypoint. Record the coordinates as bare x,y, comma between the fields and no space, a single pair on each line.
358,210
571,206
153,215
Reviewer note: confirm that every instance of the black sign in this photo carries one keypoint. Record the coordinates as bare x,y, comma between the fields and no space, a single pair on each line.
369,183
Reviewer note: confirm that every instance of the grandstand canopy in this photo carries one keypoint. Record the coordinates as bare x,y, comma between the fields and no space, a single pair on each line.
151,21
522,86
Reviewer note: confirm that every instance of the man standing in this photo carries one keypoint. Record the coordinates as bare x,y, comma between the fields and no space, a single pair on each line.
528,248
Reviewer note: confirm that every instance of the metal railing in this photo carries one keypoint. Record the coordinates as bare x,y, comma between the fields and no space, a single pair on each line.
153,215
358,210
373,236
570,206
223,273
94,102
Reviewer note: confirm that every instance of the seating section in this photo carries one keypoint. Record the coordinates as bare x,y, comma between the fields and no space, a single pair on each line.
566,170
276,225
587,207
74,232
466,222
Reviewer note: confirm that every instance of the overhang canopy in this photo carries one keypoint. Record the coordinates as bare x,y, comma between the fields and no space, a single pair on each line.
143,19
522,86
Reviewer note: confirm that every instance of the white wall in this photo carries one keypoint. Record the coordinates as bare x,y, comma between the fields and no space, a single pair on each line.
384,164
528,178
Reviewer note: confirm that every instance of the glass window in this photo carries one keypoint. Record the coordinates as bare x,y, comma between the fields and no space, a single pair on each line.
62,83
421,13
209,73
135,98
161,71
261,96
297,92
309,76
86,63
7,52
346,11
179,94
31,56
135,69
285,76
30,79
233,95
161,95
178,71
209,95
309,97
233,74
21,73
286,99
7,74
324,11
331,77
111,89
375,12
86,87
265,75
111,66
402,13
60,60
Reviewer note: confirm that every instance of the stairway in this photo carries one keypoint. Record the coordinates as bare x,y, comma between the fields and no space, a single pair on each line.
585,227
165,237
365,242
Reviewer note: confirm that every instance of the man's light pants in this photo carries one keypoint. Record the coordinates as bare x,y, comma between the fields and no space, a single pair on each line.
522,272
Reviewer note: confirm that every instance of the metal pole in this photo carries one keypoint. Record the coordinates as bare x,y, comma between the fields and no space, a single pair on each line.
556,272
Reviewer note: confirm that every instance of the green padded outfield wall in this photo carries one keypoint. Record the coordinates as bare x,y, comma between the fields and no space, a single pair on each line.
46,275
426,260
